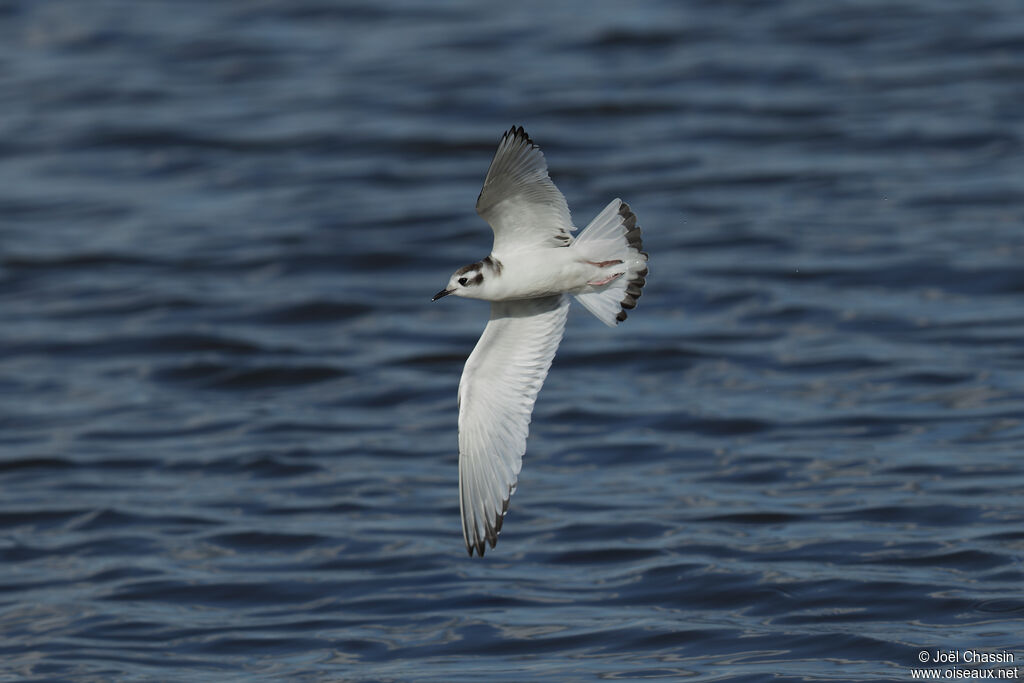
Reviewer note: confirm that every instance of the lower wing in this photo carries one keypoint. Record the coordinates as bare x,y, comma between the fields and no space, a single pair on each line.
496,395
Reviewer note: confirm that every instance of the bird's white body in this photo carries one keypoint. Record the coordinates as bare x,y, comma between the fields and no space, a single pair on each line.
534,264
535,273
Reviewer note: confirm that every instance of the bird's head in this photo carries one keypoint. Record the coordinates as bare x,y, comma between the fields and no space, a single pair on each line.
465,281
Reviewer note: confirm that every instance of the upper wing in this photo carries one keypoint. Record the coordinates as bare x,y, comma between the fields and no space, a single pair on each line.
496,394
518,199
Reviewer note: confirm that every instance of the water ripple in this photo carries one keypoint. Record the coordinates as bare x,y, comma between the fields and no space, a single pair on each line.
228,407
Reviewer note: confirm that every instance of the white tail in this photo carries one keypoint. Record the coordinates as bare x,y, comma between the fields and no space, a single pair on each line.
613,236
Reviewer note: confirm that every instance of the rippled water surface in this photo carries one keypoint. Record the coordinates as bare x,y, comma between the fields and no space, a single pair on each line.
228,444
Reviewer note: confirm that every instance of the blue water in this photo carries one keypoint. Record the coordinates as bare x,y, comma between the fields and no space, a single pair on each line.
227,404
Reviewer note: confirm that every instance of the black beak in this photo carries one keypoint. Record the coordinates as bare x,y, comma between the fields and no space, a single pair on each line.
442,293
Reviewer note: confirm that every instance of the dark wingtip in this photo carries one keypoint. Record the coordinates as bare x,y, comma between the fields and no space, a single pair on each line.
491,530
519,133
479,545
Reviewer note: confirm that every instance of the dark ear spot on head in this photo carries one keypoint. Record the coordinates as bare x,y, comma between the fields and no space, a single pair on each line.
478,279
492,263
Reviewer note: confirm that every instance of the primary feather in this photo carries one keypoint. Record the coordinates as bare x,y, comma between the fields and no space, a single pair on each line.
496,395
518,199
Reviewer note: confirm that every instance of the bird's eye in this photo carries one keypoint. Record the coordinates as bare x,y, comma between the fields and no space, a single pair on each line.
462,281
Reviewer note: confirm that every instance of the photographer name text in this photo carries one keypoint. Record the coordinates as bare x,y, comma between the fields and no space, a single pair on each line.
965,657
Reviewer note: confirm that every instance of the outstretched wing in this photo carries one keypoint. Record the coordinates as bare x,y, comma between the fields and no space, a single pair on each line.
496,394
518,199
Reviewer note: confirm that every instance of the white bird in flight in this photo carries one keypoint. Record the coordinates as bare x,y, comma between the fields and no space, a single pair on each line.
534,263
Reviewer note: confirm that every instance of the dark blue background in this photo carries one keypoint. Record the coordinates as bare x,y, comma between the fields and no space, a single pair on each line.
227,405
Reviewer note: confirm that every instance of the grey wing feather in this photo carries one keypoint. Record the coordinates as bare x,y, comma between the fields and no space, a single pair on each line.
519,200
499,386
